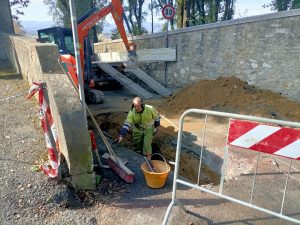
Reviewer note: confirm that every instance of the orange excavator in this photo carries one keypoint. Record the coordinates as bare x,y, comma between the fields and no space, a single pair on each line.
60,36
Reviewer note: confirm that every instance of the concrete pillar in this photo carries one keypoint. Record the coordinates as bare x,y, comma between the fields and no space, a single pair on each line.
6,23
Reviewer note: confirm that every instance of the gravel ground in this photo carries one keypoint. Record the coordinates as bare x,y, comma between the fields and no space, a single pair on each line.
24,194
28,197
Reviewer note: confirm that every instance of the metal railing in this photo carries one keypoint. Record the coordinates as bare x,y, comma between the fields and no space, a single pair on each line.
220,194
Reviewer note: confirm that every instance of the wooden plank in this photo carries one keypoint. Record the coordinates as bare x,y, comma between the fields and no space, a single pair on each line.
135,88
144,55
149,81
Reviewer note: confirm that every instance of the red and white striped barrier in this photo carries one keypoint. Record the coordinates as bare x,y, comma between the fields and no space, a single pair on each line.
49,129
265,138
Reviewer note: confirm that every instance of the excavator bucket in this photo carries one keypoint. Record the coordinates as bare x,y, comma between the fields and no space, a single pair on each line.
132,56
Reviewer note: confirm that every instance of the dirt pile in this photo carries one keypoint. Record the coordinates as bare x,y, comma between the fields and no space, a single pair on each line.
230,94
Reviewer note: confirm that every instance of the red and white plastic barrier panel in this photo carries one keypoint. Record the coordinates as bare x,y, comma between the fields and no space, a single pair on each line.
265,138
49,129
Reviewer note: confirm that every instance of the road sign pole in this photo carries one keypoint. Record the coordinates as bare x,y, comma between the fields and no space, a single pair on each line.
166,45
168,12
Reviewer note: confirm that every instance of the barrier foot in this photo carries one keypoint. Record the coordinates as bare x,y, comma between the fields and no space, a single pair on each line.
177,202
168,213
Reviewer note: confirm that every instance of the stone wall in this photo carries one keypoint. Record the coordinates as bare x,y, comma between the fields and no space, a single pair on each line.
7,58
262,50
38,62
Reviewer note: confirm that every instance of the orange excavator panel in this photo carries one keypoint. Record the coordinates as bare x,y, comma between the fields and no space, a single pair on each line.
70,63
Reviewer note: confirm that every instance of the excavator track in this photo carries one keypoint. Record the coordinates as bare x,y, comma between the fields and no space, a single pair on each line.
94,96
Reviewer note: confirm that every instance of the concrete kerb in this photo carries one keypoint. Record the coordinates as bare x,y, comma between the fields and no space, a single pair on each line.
38,62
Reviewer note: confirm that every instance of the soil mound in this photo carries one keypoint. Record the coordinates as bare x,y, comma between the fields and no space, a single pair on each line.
230,94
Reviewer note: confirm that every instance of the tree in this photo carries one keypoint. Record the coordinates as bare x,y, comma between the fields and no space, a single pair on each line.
283,5
60,11
136,15
200,10
59,14
180,13
115,34
228,10
296,4
194,12
16,6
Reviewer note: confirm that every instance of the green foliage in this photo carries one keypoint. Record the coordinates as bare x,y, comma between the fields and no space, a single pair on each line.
283,5
136,15
195,12
60,10
136,30
296,4
115,34
164,27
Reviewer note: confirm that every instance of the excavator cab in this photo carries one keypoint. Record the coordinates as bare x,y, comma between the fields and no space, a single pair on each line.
63,38
60,36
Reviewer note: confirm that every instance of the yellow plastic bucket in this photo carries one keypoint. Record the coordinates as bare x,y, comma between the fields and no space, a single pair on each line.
157,178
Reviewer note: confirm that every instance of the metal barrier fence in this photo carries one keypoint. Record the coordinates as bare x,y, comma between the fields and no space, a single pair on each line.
247,132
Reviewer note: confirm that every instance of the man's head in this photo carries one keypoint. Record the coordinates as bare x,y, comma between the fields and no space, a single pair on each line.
137,103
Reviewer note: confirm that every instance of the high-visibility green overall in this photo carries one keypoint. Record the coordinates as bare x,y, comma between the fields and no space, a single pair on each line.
143,124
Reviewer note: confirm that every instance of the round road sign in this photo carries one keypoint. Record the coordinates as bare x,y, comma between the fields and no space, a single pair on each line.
168,11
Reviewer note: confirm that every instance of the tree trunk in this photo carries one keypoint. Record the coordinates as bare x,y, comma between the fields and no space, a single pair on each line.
94,29
216,10
228,12
201,5
180,11
193,14
187,12
139,19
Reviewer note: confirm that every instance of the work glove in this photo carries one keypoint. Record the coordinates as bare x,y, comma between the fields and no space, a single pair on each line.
118,140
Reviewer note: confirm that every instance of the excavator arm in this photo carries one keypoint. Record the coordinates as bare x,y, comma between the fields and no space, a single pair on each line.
84,26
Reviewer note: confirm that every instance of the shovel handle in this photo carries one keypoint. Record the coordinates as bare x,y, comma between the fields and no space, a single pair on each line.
149,164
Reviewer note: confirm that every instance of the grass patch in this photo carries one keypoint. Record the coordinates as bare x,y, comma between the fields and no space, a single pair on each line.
9,73
4,71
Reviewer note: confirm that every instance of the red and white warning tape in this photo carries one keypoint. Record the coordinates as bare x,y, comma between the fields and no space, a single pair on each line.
265,138
49,130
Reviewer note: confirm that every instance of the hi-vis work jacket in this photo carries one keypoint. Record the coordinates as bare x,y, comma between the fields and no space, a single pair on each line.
148,118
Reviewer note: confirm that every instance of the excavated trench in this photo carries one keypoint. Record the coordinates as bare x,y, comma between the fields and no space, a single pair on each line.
164,143
226,94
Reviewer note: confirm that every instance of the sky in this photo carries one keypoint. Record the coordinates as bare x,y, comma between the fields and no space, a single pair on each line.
37,11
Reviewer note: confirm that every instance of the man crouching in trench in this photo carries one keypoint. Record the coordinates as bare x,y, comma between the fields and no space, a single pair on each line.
144,119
